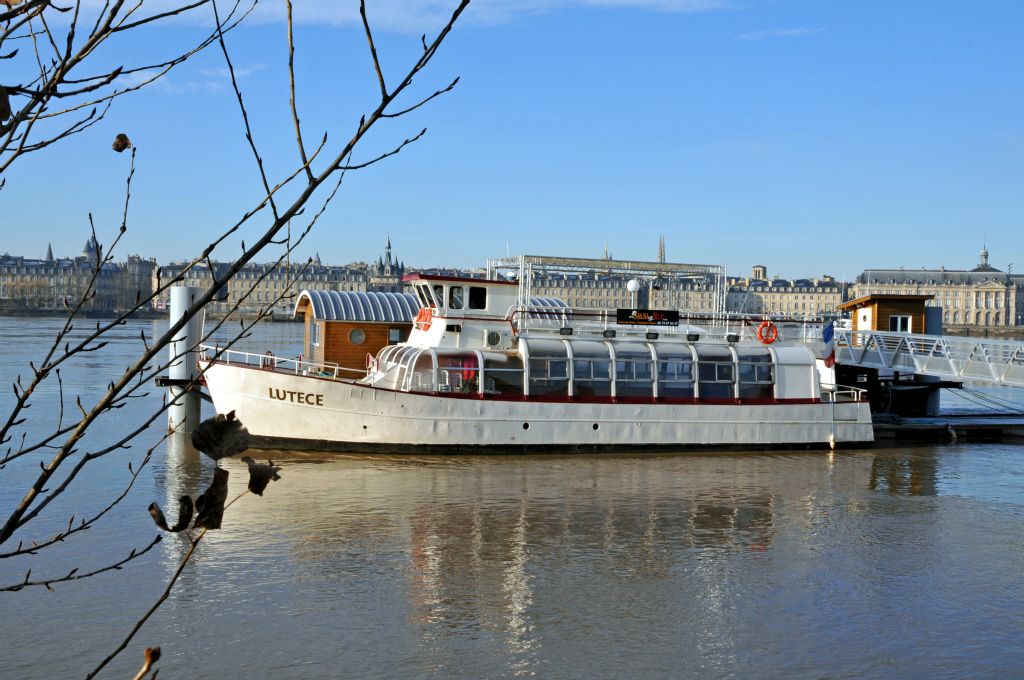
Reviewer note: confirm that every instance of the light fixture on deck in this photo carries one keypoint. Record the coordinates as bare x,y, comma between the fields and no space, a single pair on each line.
565,330
732,338
609,333
692,337
651,335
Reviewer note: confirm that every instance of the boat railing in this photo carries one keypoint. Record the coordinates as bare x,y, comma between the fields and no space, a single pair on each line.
725,326
268,361
842,393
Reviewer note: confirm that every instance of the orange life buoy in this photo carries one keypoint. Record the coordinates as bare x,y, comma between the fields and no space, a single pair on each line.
767,332
424,317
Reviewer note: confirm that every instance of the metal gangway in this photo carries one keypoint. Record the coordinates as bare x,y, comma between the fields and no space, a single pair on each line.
945,356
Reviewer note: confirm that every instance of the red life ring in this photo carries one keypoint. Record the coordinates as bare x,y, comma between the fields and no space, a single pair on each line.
767,332
424,317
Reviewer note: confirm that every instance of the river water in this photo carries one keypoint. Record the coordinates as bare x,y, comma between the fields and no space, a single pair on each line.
900,562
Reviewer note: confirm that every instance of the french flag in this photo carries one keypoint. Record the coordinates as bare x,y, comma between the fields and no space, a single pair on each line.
828,335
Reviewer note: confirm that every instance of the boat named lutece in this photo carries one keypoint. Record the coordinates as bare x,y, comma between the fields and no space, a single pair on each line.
484,370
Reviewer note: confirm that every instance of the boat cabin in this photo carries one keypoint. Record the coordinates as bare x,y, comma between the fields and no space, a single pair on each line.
343,327
582,369
463,312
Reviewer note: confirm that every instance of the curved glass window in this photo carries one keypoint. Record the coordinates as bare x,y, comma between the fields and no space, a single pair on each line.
458,373
675,372
715,372
756,373
549,368
634,373
421,377
592,369
503,374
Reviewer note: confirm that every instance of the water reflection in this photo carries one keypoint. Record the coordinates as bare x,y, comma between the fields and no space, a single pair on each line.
908,473
879,563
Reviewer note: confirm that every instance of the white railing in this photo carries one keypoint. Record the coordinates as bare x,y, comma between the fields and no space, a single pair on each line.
841,393
944,356
540,321
270,362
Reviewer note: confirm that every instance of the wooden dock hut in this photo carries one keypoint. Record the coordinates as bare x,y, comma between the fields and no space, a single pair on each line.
887,312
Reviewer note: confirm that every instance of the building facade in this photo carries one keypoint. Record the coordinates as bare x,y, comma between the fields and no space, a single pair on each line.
601,290
982,297
257,287
813,298
56,284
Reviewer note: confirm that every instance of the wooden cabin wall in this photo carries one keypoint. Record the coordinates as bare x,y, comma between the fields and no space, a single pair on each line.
886,308
336,346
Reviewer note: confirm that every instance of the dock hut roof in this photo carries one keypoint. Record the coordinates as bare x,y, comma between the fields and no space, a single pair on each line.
334,305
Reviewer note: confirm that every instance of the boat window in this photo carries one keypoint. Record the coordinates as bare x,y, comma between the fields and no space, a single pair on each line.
634,375
422,291
421,378
455,297
548,367
395,335
592,377
458,373
715,372
675,377
439,295
549,376
477,297
756,374
503,374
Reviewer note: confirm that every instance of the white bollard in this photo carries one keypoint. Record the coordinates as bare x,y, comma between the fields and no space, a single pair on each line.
183,413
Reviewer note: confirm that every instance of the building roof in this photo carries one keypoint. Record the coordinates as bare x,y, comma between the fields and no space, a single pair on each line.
878,297
334,305
934,276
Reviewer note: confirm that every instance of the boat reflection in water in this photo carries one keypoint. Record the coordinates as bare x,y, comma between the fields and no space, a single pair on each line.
606,566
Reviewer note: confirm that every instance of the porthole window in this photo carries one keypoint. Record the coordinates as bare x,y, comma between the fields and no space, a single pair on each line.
356,336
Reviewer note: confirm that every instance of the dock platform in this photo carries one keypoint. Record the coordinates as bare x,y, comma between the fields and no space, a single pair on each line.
973,427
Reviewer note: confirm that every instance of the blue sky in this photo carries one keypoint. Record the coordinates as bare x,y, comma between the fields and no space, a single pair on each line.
812,137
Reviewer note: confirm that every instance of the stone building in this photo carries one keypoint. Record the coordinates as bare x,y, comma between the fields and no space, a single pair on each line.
601,290
982,297
817,297
55,284
256,286
386,275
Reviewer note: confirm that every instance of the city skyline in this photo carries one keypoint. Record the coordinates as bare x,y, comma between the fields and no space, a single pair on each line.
964,263
788,132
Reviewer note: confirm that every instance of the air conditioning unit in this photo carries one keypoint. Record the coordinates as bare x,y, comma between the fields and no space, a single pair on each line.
497,339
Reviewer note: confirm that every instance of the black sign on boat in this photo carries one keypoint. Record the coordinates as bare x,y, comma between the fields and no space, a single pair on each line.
647,317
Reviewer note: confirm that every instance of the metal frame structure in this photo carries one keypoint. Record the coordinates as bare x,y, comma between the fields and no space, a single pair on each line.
526,266
959,358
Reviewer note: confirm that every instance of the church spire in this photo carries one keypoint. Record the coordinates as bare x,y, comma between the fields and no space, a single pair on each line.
49,252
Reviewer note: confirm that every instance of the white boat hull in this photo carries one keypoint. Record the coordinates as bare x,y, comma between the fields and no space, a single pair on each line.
287,410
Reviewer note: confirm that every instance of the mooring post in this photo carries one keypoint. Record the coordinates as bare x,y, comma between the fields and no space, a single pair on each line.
183,414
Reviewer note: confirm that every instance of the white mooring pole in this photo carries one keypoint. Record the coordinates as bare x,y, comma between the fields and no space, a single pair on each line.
183,413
